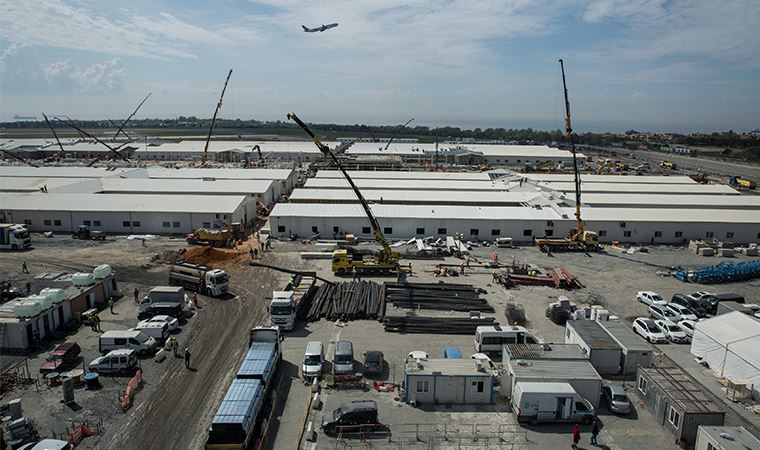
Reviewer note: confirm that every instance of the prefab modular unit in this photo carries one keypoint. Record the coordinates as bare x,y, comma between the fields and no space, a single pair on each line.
725,438
678,402
447,382
580,374
636,351
604,353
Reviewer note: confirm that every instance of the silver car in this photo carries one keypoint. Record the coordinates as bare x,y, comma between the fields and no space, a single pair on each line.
617,400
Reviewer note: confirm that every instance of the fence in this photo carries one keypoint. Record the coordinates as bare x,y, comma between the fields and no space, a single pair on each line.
133,387
424,436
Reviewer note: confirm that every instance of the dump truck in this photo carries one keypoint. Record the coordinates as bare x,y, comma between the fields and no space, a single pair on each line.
14,237
286,305
198,278
742,183
214,237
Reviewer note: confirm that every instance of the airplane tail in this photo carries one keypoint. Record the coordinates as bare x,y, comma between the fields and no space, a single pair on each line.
304,28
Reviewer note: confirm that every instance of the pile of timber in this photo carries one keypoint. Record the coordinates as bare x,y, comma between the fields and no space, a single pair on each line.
435,325
350,300
436,296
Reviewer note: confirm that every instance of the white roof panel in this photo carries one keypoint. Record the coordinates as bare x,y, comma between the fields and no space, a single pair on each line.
679,200
59,172
594,178
407,184
710,189
408,196
412,175
220,174
413,211
121,202
182,185
217,146
31,184
730,327
668,215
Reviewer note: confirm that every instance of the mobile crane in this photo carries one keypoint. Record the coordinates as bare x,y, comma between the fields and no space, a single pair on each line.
387,260
579,239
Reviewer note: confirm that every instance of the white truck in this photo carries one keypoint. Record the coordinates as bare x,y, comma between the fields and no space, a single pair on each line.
283,309
14,237
164,295
537,402
198,278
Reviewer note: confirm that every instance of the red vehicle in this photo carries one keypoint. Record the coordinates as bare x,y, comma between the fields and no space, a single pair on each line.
64,356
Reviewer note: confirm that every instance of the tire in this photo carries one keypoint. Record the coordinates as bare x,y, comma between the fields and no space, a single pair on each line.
14,247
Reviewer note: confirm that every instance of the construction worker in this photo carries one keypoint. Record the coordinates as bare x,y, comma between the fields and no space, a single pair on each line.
495,275
195,300
93,324
187,357
137,294
110,304
97,324
24,268
173,345
461,268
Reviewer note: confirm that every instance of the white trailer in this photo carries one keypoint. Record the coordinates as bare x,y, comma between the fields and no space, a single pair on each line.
537,402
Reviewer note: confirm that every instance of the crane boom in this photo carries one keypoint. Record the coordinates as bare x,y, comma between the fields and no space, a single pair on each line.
63,152
386,254
213,119
121,128
569,131
394,134
115,151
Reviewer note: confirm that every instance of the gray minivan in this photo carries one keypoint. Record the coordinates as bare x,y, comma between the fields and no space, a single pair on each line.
343,360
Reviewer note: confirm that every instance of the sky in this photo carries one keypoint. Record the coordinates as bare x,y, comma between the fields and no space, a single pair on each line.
657,65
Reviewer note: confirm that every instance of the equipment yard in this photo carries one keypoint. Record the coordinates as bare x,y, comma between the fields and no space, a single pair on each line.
175,406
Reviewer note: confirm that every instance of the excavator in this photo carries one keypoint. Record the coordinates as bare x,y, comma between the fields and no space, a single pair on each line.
384,262
579,239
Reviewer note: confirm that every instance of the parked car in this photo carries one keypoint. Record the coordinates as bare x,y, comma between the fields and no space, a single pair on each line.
662,312
682,312
358,412
698,307
650,298
123,360
615,397
672,331
173,322
717,298
373,362
417,355
63,356
701,295
688,327
649,330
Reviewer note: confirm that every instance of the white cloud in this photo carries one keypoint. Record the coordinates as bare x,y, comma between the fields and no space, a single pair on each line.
107,76
8,53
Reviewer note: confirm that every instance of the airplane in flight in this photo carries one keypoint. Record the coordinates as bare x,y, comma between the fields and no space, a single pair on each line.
320,29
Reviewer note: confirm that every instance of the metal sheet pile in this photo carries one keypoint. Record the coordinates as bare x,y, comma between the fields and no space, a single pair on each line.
435,325
351,300
441,297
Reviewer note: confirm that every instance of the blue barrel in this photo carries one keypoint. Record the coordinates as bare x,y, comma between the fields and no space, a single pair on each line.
92,380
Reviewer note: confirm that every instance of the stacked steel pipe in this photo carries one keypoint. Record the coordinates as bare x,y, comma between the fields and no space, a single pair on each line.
435,325
351,300
441,297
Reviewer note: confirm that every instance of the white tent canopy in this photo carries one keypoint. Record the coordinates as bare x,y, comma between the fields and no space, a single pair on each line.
730,344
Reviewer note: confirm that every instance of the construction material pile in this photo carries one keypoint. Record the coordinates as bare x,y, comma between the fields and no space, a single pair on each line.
720,273
435,325
440,297
563,279
559,277
351,300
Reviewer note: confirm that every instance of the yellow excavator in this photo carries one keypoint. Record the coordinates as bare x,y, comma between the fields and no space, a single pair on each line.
384,262
580,239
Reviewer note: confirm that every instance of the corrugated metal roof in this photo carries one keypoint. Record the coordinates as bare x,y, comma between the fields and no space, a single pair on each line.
121,202
672,200
546,351
625,336
643,188
413,211
409,196
31,184
448,366
405,174
741,439
593,334
220,174
594,178
407,184
182,185
661,215
490,150
59,172
681,389
575,369
246,146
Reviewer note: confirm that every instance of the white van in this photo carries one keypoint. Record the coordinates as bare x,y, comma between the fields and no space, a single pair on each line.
490,338
537,402
156,330
313,360
134,339
343,361
123,360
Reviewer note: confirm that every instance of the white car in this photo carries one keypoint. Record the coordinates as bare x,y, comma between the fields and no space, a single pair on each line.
672,332
650,298
662,312
700,295
173,322
649,330
687,326
682,312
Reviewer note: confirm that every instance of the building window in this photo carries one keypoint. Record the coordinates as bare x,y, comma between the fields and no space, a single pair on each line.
443,231
642,385
549,223
474,231
730,235
125,224
96,223
27,221
602,233
280,228
622,224
47,222
136,223
709,234
527,232
217,216
336,229
423,386
658,234
175,225
420,231
86,222
626,234
206,224
679,234
388,230
675,417
478,387
366,230
57,222
314,229
167,224
495,232
549,232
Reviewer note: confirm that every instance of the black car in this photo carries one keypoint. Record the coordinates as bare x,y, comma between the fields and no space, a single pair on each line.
175,310
359,412
698,307
717,298
373,362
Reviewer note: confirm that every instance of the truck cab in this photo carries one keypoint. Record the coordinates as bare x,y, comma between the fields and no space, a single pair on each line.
217,282
282,310
14,237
